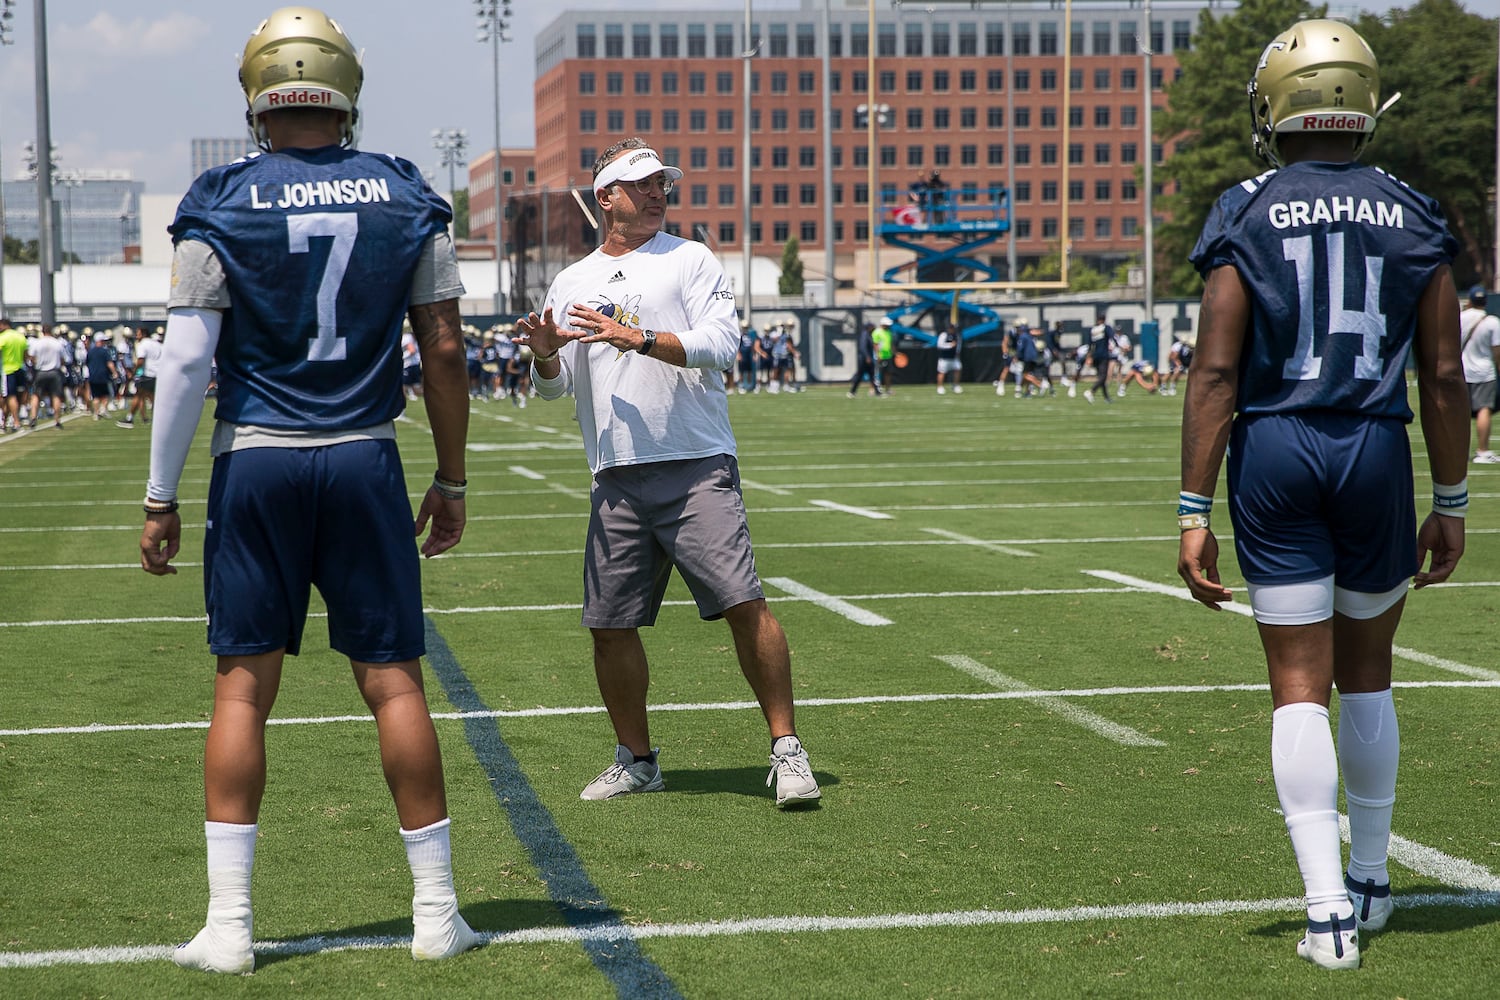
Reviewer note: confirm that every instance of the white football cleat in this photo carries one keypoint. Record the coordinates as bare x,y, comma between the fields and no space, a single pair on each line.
1331,943
1372,903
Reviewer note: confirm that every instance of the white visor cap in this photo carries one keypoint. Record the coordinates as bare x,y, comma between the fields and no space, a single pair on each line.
634,165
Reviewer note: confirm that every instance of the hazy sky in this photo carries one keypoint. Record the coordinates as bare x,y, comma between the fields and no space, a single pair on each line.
133,82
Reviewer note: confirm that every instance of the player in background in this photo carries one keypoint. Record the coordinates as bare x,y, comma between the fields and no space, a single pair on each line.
1321,276
301,297
1179,360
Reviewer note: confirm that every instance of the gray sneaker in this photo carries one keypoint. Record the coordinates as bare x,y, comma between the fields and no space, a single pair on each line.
625,775
792,774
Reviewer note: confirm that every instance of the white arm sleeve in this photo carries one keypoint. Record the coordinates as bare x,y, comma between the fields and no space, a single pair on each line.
181,379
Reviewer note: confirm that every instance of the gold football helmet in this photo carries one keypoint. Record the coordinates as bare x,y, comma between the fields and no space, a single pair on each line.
1317,76
299,57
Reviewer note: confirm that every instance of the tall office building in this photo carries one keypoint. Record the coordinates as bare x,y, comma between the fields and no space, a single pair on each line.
983,93
98,215
216,152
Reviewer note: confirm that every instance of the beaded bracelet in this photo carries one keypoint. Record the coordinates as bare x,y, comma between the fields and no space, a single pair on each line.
153,506
450,489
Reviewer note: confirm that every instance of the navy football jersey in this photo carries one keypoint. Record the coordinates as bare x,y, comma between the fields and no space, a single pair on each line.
318,248
1336,257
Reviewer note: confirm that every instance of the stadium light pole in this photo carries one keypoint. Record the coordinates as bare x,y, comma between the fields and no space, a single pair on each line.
451,144
749,53
830,260
7,14
1150,233
45,240
493,21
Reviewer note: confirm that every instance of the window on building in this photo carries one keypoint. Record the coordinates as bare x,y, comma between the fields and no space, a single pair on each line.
807,41
723,83
724,119
697,83
807,120
835,82
941,155
859,39
1102,227
1156,78
586,157
668,41
886,79
778,82
1158,36
836,156
698,195
640,41
1102,33
1046,38
1023,229
726,157
698,157
697,41
1076,39
755,119
994,154
755,81
859,82
755,194
779,41
914,155
1127,79
588,44
1182,35
807,231
942,42
941,117
614,83
754,157
1049,117
642,83
1101,190
968,155
912,44
994,38
698,120
586,83
1101,153
887,156
1101,79
807,156
1021,80
994,80
1075,80
994,117
1129,45
861,156
778,120
1075,227
968,38
1022,154
1127,152
1049,191
1023,192
1075,117
968,118
940,83
615,120
913,81
643,120
669,82
780,157
1049,153
914,118
726,234
807,82
1128,190
723,41
835,40
614,41
726,195
1075,190
807,194
885,40
1130,227
861,194
968,81
781,194
1049,79
1049,229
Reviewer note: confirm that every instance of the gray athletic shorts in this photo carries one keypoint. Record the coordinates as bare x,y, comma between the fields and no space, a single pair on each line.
1482,396
647,519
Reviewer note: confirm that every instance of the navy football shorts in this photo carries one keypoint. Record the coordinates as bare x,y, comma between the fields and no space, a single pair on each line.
1314,494
283,520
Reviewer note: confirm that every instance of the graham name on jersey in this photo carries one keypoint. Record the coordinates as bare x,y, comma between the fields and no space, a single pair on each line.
359,191
1290,214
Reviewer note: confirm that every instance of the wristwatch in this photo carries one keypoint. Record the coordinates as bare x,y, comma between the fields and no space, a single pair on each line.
648,341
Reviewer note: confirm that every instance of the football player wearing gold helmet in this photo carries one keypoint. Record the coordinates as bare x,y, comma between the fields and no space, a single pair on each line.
1322,275
293,271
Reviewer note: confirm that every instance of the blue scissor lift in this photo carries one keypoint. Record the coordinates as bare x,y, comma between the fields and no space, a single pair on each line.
946,230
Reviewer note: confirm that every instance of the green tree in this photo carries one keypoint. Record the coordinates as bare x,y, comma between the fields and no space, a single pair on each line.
1081,277
790,282
461,214
17,252
1208,112
1440,137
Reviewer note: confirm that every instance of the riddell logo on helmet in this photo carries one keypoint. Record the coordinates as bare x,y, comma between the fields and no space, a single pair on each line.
300,98
1333,123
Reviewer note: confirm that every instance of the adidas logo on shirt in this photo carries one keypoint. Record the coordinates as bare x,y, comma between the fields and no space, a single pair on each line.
619,276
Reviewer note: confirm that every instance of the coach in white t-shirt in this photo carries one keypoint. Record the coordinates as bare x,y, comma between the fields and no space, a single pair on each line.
47,355
1481,355
648,326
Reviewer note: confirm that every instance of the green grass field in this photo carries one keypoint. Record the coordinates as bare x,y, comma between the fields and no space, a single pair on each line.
1045,771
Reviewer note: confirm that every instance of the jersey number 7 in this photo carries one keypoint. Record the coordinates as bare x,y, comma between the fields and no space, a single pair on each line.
343,227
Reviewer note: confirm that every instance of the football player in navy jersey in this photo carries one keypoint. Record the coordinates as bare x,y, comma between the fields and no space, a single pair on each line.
1321,276
294,268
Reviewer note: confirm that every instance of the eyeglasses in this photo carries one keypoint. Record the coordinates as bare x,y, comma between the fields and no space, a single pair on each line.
658,180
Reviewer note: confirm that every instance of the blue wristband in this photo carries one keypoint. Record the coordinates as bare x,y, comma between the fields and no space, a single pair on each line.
1193,503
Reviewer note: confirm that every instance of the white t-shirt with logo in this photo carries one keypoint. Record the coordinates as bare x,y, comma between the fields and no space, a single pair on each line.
1482,334
633,408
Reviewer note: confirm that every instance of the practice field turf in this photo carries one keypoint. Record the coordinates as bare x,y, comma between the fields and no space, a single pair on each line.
1045,771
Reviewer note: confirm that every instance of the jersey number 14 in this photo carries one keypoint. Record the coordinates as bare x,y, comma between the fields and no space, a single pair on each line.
1368,323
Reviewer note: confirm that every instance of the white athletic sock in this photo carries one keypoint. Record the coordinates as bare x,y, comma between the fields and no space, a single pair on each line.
1305,768
438,929
1369,749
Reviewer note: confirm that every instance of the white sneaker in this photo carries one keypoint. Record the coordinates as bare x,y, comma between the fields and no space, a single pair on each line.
792,774
958,389
1120,392
1372,903
941,390
1072,391
1088,395
439,931
1331,943
625,775
1486,458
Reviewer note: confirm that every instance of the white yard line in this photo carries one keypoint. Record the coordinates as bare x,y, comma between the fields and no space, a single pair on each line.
526,473
1078,716
785,925
766,487
1004,550
828,602
873,515
1241,608
1434,864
